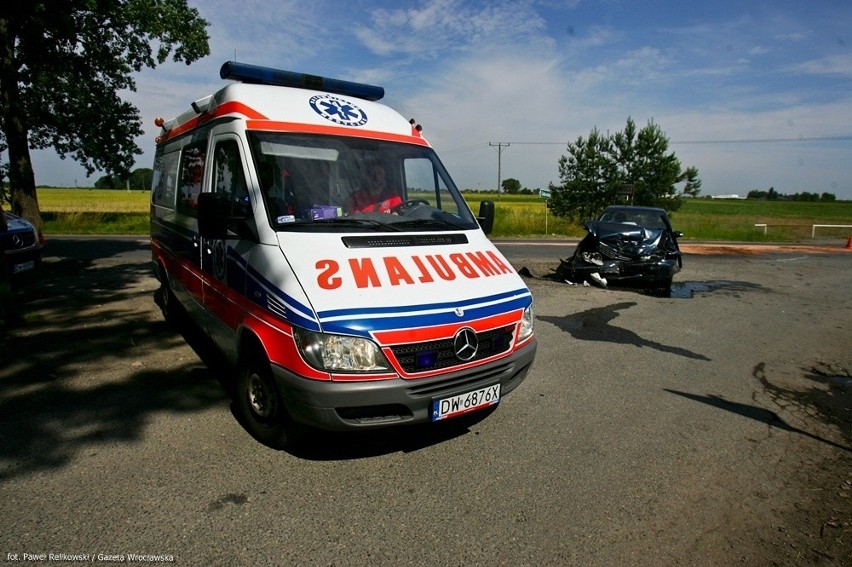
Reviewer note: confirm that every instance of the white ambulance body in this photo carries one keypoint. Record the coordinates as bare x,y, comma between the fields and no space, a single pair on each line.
334,314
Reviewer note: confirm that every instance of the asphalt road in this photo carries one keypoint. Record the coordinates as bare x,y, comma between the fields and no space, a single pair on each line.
702,428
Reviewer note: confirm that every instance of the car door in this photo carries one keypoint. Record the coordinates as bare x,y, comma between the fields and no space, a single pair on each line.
223,270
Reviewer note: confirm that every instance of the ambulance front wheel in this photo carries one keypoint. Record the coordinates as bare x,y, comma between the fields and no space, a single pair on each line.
260,406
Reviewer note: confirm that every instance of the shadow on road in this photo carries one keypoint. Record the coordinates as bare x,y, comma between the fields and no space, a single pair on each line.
344,446
596,325
77,374
756,413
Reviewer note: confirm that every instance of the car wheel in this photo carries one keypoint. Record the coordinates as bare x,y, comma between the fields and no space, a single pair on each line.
260,407
167,301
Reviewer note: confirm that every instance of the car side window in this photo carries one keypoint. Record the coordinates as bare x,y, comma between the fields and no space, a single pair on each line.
229,177
165,179
191,178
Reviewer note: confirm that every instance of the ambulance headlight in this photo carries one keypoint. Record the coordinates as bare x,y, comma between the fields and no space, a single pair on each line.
526,324
340,353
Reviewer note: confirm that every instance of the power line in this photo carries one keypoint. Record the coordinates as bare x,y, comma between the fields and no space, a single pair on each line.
768,140
721,141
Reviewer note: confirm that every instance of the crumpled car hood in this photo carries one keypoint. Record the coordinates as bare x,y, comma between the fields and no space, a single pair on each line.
626,241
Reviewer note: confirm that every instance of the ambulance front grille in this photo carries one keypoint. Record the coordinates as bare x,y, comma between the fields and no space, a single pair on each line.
436,355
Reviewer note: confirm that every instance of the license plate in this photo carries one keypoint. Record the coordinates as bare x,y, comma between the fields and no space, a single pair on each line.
463,403
23,267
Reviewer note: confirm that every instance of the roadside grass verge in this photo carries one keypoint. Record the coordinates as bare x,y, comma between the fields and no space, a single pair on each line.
94,223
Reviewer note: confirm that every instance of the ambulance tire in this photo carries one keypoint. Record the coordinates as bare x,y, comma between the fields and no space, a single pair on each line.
168,303
259,404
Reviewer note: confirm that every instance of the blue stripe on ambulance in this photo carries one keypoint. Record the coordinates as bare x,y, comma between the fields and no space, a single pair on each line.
364,321
262,292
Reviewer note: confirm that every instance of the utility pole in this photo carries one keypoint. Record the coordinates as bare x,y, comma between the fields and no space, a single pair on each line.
499,146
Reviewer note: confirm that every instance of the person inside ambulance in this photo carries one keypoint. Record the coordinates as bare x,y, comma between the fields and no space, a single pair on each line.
274,181
376,196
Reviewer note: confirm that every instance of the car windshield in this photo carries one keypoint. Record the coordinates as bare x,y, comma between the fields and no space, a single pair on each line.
647,219
320,183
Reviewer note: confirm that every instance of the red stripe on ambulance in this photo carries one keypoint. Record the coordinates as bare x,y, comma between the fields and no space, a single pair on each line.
438,332
393,270
230,107
279,126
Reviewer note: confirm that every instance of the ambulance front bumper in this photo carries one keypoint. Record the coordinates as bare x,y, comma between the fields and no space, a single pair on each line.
381,403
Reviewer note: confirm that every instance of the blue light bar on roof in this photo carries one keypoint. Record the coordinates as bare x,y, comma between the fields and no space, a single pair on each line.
268,76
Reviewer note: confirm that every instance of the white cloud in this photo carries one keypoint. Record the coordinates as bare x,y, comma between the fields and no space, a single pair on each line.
437,27
834,65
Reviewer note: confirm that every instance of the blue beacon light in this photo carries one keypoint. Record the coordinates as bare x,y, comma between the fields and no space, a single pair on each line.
268,76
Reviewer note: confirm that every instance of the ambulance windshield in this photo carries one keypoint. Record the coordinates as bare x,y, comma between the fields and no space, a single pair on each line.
315,182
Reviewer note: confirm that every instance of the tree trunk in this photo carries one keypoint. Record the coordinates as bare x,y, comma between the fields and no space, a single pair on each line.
21,176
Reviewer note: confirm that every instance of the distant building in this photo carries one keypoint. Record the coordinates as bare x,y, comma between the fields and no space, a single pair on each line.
734,196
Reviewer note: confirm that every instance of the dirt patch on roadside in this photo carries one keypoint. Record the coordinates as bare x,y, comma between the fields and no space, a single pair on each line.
813,402
757,249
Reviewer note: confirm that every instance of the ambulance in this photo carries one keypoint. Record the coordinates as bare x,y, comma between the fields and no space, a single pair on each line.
314,235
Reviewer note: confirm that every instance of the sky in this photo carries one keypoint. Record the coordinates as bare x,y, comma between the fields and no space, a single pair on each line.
753,94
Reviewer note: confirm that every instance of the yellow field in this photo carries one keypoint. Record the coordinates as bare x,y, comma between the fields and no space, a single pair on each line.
93,201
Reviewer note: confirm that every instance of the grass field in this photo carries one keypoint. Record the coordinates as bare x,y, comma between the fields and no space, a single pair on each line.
94,211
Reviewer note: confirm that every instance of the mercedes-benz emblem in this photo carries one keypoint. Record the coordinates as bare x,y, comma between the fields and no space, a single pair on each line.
465,344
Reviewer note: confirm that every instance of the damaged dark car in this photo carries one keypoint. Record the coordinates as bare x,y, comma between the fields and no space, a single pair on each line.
626,245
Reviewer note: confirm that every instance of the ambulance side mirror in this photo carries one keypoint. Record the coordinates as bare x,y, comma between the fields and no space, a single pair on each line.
486,216
215,218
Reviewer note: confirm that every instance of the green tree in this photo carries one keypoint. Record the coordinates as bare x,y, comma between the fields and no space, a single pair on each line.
588,176
62,63
105,182
511,186
596,170
140,178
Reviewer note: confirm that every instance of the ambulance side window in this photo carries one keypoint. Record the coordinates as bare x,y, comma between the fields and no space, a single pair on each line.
424,181
191,177
229,178
165,179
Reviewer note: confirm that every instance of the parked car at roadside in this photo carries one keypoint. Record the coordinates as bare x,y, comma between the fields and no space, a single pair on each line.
21,244
625,245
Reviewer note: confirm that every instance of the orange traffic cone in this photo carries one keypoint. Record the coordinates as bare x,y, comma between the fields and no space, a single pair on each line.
849,243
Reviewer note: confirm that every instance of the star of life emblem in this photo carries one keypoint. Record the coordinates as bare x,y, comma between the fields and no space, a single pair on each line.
338,110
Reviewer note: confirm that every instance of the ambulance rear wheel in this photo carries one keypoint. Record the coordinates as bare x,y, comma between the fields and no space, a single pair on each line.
260,407
167,301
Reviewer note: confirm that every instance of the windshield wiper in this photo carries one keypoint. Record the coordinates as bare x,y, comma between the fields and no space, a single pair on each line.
349,221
